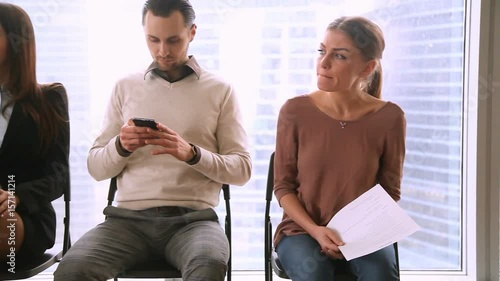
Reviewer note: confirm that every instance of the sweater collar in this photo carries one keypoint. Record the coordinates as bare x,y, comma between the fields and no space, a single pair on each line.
191,65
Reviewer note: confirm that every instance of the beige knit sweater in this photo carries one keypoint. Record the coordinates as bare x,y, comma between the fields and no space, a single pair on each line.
204,111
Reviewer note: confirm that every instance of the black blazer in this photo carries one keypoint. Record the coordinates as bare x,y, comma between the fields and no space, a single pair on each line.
39,179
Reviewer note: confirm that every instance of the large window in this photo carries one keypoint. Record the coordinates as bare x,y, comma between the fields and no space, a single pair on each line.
267,49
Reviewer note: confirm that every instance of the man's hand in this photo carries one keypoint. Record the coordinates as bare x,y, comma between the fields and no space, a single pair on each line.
329,241
133,137
170,142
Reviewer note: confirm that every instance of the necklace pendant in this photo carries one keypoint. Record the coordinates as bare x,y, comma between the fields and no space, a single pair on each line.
343,124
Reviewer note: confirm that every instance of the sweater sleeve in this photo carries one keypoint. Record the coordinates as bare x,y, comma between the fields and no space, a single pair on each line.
37,193
232,164
285,158
391,164
104,161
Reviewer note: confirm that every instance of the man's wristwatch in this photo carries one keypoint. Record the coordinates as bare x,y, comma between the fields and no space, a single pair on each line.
194,153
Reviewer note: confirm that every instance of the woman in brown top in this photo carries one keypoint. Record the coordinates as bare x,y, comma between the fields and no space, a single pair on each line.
333,145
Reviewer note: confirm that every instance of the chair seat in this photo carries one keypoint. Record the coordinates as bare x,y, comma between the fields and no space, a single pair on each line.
153,269
277,267
31,268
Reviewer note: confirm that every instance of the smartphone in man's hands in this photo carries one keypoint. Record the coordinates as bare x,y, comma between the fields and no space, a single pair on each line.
145,122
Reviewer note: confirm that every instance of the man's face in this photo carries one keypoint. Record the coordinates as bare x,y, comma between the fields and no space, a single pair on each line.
168,40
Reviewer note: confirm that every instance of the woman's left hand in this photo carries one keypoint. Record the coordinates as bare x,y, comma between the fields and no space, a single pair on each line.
329,241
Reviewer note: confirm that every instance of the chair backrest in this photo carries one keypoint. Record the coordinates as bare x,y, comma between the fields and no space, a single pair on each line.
271,259
157,270
51,257
227,227
268,228
66,220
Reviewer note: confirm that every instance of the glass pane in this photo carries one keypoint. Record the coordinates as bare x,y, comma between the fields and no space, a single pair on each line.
267,49
423,66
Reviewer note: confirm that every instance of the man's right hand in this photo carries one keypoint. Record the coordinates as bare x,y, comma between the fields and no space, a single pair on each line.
133,137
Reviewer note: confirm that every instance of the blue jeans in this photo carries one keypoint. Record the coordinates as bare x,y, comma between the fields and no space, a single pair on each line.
302,259
191,241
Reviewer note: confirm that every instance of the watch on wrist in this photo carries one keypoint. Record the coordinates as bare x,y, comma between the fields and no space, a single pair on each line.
194,153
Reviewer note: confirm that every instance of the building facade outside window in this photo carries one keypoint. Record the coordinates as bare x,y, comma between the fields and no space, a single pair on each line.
267,49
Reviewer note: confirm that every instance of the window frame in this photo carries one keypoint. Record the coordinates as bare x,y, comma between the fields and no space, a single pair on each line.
481,154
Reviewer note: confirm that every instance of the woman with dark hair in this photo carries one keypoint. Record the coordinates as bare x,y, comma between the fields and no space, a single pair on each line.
333,145
34,143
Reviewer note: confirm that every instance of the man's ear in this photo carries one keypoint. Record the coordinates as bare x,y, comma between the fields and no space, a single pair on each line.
369,68
192,32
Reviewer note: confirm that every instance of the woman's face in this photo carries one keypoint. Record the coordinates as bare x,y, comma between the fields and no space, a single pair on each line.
340,64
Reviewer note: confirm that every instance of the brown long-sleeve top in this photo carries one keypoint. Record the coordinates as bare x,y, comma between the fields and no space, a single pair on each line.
328,165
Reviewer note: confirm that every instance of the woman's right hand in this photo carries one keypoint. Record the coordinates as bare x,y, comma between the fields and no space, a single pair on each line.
4,195
329,240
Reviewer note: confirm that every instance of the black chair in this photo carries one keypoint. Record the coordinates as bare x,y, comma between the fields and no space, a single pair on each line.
49,258
272,262
160,268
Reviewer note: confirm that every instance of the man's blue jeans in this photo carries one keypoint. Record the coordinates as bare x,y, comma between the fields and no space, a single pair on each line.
302,259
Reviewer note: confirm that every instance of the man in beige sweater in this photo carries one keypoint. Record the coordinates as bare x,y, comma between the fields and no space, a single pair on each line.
169,177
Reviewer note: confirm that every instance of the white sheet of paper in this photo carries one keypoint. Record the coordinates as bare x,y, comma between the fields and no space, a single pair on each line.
371,222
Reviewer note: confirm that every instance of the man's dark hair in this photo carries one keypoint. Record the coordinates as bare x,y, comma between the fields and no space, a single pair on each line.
164,8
